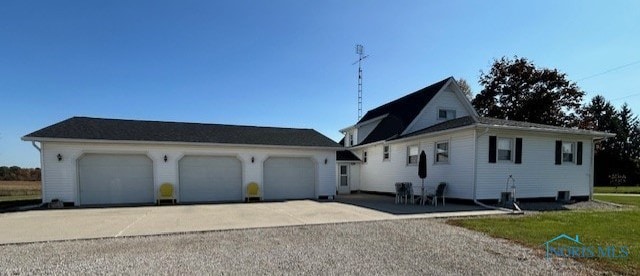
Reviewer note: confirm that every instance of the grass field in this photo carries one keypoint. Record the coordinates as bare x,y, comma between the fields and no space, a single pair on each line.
618,228
618,190
17,190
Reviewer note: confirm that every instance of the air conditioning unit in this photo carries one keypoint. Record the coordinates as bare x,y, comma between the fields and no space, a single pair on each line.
563,196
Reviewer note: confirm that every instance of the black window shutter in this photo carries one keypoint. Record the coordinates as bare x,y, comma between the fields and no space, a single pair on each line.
579,154
518,150
558,152
492,149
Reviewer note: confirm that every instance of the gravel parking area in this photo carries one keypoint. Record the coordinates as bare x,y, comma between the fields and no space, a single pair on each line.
557,206
419,246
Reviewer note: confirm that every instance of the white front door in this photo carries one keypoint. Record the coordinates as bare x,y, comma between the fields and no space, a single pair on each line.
343,180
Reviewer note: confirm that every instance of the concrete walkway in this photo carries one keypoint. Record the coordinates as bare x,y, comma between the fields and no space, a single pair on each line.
86,223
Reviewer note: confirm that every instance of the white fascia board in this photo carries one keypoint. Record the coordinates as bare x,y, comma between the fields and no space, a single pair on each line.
102,141
567,131
363,123
348,161
366,145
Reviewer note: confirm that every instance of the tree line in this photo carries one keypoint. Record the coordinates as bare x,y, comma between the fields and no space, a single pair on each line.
15,173
515,89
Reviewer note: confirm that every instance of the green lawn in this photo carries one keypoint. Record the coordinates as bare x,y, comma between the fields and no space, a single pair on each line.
619,228
619,199
618,190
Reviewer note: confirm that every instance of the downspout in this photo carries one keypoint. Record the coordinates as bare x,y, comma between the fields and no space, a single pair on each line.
36,146
475,175
592,165
41,167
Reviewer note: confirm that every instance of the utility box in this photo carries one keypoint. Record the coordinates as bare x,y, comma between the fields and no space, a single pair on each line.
563,196
506,198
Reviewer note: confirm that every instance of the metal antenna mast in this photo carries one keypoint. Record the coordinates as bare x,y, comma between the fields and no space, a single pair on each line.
361,57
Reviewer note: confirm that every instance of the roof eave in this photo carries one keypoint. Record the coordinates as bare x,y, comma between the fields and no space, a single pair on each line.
104,141
563,131
364,123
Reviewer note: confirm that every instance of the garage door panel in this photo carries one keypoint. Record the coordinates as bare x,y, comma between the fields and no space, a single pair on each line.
210,178
115,179
289,178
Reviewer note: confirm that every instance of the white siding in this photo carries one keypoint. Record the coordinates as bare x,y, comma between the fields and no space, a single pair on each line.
445,99
380,176
60,178
365,130
537,176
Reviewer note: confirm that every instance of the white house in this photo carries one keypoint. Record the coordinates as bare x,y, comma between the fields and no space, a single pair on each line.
474,155
89,161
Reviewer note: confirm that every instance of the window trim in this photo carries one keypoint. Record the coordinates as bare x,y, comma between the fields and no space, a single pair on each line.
409,156
435,152
511,149
446,110
386,152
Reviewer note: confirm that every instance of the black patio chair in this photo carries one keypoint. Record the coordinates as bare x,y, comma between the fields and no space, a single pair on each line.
439,193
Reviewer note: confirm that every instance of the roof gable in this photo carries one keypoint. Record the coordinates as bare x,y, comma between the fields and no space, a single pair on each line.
84,128
400,113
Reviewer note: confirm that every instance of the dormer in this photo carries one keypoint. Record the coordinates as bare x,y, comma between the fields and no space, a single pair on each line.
355,135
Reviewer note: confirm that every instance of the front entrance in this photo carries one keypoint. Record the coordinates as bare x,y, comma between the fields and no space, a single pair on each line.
343,180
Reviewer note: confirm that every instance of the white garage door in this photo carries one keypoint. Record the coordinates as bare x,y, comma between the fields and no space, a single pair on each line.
289,178
115,179
210,178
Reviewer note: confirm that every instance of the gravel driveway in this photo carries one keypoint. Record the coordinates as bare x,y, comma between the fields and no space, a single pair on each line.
407,247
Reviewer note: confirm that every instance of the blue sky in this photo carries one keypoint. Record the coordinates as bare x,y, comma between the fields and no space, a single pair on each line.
284,63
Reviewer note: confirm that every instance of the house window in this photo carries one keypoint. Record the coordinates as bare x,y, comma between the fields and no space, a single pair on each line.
350,139
364,157
567,152
385,153
446,114
504,149
442,152
412,155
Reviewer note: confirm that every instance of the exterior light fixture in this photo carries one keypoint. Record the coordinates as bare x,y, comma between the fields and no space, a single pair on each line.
252,159
325,160
165,158
59,157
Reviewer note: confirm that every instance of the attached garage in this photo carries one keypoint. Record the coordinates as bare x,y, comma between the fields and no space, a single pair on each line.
115,179
289,178
210,178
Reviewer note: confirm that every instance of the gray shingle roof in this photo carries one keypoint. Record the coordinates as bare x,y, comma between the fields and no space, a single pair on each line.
400,112
534,126
154,131
486,121
449,124
346,155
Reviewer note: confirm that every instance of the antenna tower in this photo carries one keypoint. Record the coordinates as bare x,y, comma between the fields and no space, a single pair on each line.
361,57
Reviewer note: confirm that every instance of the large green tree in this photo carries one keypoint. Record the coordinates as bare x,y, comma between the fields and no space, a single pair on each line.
618,155
515,89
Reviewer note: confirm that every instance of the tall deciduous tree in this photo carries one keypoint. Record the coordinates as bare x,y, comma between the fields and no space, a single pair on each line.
619,155
466,89
515,89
